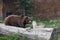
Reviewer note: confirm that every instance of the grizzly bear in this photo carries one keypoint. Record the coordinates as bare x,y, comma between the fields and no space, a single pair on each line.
18,21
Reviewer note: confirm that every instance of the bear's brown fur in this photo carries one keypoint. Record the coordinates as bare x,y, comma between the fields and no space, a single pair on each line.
19,21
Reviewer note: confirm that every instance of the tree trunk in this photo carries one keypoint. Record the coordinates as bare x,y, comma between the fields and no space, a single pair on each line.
38,33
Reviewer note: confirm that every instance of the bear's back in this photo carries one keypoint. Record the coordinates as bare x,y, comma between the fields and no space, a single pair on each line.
12,19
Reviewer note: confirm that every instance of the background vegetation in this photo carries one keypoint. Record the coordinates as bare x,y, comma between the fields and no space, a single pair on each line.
27,5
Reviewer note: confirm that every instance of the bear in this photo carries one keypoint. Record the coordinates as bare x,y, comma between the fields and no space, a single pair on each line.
17,21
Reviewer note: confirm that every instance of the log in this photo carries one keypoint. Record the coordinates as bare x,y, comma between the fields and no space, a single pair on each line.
40,33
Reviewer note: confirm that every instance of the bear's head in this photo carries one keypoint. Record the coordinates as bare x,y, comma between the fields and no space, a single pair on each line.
27,20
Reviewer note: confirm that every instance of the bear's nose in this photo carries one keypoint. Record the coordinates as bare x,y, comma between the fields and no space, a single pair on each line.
30,22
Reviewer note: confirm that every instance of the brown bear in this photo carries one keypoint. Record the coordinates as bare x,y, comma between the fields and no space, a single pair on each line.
18,21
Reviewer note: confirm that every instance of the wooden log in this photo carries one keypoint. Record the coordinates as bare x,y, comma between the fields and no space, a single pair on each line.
40,33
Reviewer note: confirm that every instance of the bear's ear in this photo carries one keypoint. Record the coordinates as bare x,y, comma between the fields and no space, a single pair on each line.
26,17
22,15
